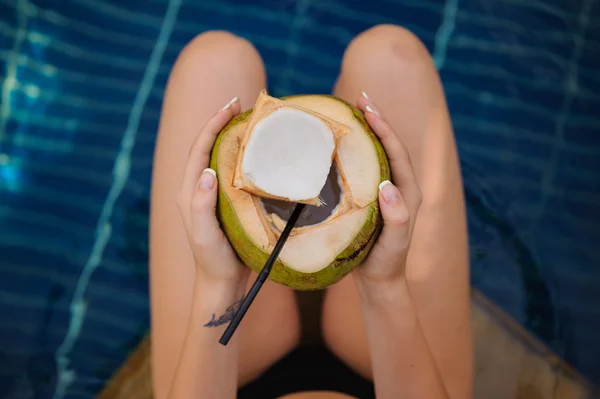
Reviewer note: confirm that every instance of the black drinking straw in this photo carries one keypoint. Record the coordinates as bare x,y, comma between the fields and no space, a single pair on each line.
262,276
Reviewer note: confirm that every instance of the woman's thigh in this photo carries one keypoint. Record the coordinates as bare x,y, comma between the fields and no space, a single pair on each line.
394,68
211,70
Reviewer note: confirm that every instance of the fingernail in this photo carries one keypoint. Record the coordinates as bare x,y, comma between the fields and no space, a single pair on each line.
391,195
230,103
207,179
372,110
365,95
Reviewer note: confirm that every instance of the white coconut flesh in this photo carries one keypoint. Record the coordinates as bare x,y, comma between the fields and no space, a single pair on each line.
288,155
286,151
312,248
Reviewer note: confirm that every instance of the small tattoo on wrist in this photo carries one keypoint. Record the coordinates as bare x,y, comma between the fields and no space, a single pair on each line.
225,317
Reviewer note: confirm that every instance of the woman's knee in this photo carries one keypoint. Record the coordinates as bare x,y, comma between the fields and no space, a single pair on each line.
386,48
224,53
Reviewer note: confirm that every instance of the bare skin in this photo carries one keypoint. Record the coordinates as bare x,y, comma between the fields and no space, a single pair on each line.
395,69
402,363
218,66
210,71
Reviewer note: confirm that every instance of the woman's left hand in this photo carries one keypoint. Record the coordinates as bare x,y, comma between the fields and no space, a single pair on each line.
399,203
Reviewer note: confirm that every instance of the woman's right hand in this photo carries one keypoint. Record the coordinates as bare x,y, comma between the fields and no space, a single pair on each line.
215,259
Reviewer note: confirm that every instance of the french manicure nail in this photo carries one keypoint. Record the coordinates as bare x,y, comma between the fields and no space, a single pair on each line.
207,179
365,95
372,110
391,195
230,103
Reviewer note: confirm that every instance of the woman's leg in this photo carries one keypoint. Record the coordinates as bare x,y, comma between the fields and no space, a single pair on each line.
393,67
211,70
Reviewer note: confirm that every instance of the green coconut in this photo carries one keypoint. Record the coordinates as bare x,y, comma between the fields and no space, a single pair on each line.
318,255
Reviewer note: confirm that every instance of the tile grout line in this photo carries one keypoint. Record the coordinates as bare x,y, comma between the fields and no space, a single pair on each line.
570,88
121,170
12,66
300,13
444,33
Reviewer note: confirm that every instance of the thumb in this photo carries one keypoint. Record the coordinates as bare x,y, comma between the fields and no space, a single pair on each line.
396,219
205,228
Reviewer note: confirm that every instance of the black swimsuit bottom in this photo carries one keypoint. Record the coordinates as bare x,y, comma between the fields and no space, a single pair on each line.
308,368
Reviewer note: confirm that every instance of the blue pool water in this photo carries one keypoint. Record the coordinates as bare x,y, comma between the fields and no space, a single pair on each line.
82,84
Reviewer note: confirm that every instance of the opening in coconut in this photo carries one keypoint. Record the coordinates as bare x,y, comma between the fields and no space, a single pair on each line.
342,221
278,212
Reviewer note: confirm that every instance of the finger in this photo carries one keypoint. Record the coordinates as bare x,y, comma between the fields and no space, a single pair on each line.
403,173
204,226
396,218
363,101
396,151
199,156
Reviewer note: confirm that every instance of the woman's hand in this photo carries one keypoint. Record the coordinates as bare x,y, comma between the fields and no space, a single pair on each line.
205,368
402,362
399,202
215,260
